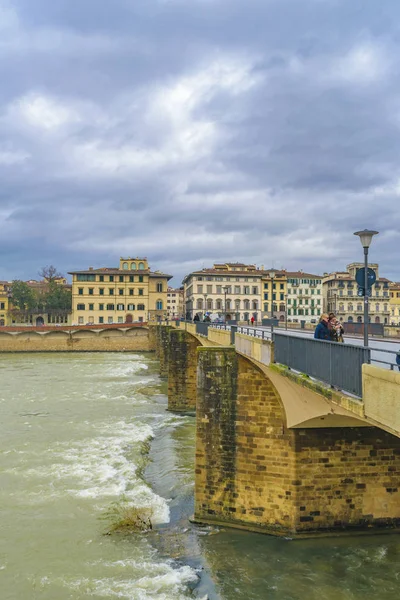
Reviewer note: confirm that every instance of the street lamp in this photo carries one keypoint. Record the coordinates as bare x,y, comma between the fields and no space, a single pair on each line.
205,305
365,239
272,276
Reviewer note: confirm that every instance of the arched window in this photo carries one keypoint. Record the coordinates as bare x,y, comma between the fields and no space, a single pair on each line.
359,307
377,320
385,307
219,304
359,319
237,305
200,304
254,305
141,266
377,307
341,307
133,266
159,305
228,304
282,308
125,266
140,306
209,304
350,320
350,307
247,304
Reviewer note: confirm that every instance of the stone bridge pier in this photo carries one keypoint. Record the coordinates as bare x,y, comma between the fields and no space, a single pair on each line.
182,371
254,472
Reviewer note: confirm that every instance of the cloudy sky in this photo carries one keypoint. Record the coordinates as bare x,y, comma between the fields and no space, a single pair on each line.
193,131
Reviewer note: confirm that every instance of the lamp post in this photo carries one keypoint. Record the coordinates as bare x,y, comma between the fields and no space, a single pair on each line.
205,305
272,276
365,238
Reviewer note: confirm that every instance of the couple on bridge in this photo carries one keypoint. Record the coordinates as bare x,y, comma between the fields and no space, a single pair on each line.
329,328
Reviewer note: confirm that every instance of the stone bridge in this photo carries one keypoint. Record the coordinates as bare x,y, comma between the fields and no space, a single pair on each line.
275,451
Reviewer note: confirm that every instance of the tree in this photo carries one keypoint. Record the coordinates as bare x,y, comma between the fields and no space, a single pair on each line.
50,273
23,297
58,297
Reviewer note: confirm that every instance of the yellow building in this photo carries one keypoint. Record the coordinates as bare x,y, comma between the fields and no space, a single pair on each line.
5,287
274,294
129,293
394,303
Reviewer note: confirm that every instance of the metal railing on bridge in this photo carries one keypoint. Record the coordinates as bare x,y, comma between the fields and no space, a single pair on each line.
339,365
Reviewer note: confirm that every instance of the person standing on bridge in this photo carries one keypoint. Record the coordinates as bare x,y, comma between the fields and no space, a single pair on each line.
321,331
398,359
252,319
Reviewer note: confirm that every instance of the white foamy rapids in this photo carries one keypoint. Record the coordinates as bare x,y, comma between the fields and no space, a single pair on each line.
161,582
102,466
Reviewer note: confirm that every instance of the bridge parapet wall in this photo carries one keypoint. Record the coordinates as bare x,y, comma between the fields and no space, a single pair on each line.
260,350
381,396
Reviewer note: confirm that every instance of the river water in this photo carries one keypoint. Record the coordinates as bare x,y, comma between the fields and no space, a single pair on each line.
83,433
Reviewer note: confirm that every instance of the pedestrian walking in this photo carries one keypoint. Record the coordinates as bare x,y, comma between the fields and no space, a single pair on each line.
322,331
252,319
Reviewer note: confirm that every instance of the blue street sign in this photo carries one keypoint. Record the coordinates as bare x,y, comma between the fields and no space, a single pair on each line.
361,292
360,277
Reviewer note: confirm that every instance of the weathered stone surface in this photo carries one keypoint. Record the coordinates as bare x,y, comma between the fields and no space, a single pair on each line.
182,371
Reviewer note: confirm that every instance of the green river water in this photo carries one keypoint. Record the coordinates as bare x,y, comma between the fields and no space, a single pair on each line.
80,432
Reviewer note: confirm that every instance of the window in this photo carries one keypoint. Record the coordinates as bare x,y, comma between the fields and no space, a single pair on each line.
237,289
199,289
80,291
131,307
111,291
80,307
101,291
125,266
246,289
101,277
111,277
265,306
110,319
121,291
133,266
281,296
140,291
120,319
140,307
255,290
85,277
110,306
140,278
101,306
80,320
219,289
159,287
2,305
91,306
141,266
130,291
121,278
209,289
91,290
159,305
273,296
131,278
101,319
265,295
281,286
120,306
274,286
265,286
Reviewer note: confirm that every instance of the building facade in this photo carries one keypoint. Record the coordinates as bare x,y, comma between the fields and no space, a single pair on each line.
126,294
5,287
235,291
340,292
394,303
304,297
175,303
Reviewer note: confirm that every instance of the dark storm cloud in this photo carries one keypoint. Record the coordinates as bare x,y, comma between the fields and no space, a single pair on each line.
254,130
